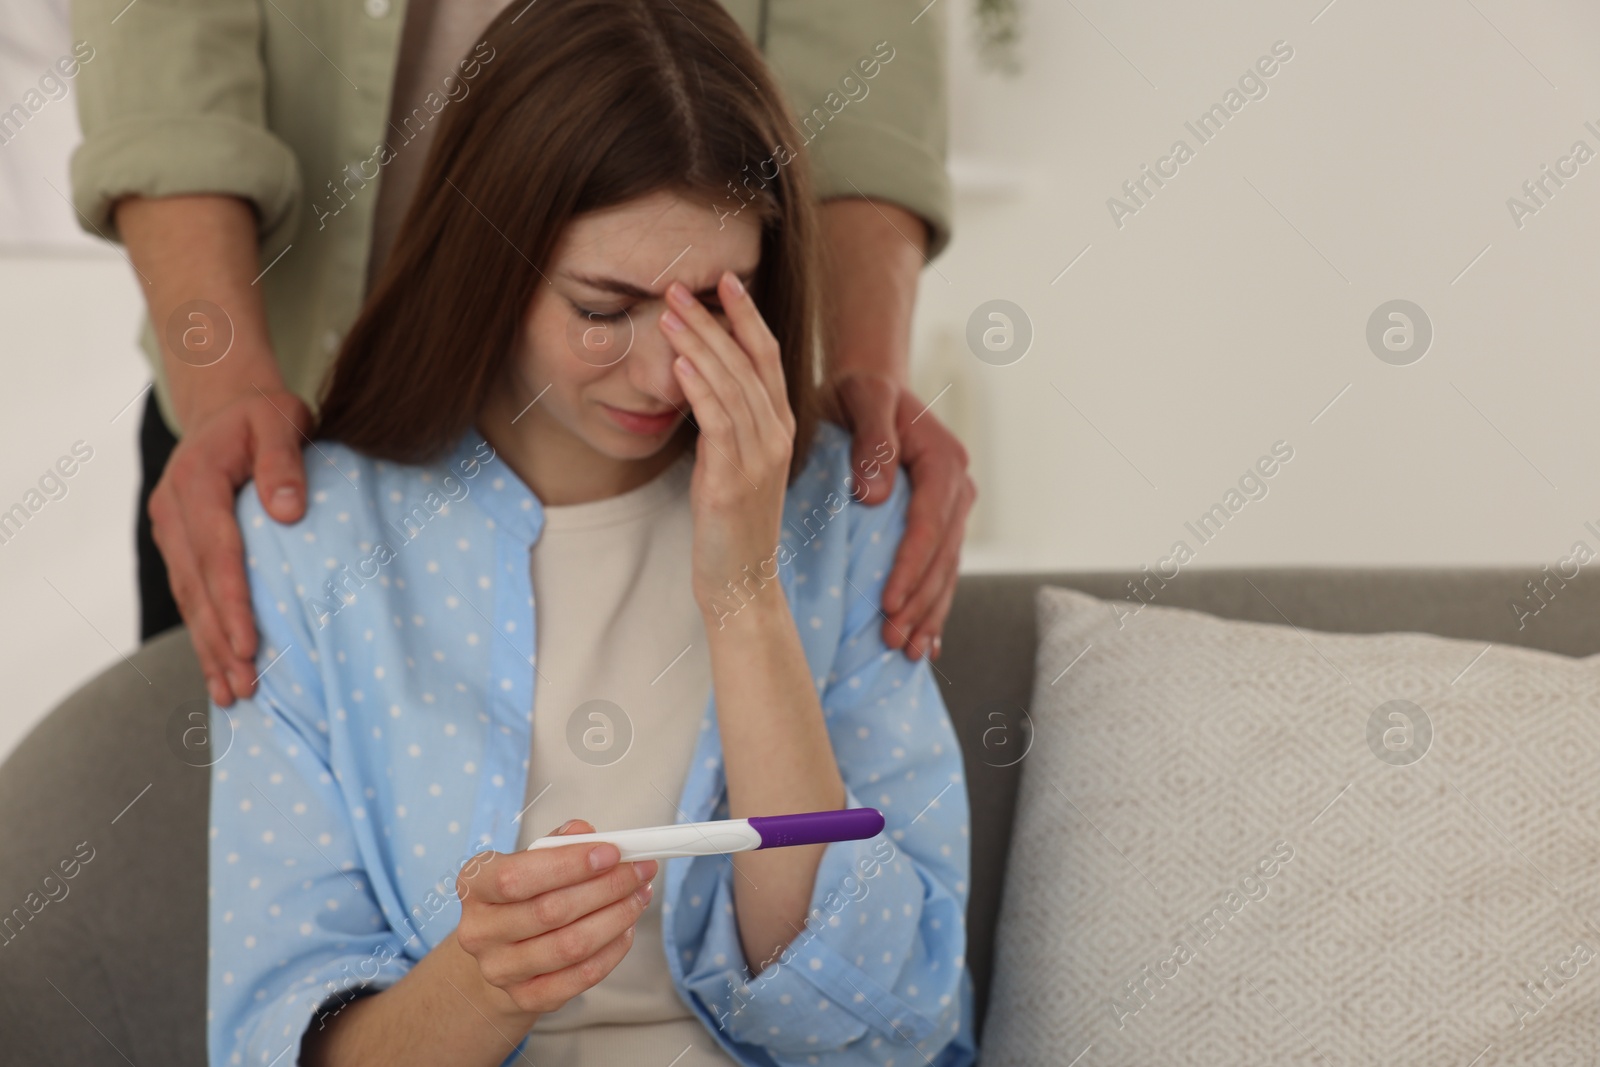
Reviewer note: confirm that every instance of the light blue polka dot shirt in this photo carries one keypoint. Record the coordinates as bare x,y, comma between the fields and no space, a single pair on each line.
388,743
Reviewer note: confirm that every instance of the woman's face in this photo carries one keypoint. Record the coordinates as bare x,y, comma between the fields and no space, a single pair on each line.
591,349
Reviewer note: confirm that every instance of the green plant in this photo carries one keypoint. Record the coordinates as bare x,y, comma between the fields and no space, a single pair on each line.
998,29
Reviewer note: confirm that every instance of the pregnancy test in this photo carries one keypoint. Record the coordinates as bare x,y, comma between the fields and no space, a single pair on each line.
730,835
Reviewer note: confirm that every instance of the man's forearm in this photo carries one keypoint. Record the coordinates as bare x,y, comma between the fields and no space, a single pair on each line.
201,248
874,255
440,1012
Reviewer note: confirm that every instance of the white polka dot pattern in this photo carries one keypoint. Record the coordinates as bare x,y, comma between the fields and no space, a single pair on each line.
387,745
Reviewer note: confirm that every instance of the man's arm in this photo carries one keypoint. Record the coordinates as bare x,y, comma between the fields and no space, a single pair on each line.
201,249
178,164
866,83
174,102
874,251
875,254
197,255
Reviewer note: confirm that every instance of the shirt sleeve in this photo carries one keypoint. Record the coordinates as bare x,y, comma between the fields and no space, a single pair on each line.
866,86
173,101
294,924
879,966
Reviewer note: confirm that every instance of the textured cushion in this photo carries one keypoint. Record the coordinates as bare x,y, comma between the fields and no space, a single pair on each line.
1244,843
986,672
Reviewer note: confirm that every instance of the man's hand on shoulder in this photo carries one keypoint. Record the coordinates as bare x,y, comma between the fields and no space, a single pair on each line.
256,435
916,599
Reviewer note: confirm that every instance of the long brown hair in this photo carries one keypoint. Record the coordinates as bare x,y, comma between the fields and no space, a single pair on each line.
582,105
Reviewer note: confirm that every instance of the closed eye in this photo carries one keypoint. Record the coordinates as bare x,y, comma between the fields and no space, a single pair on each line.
601,316
613,316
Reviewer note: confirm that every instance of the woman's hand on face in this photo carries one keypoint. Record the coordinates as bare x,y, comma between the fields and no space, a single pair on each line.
735,384
549,924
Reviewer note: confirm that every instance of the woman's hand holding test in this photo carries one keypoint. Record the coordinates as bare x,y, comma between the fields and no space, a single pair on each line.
537,928
545,930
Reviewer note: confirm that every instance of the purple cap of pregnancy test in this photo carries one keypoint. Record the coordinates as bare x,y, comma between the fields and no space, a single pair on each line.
817,827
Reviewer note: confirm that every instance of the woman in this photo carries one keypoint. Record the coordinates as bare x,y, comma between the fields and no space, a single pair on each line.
531,589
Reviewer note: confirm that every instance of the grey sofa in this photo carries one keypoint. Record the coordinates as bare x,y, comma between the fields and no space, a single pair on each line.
114,971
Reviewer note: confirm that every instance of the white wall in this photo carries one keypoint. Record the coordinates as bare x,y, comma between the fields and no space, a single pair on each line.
67,579
1219,319
68,314
1227,313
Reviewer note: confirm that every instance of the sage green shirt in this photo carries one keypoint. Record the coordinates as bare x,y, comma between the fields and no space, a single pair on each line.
272,100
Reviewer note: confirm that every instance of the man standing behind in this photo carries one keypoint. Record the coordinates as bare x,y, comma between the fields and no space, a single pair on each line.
256,157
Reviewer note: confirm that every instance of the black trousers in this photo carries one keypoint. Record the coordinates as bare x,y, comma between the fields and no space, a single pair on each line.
158,611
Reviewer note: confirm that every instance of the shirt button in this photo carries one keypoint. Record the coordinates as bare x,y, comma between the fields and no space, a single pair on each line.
376,8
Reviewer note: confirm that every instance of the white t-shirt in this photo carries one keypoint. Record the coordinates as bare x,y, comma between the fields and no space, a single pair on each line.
624,674
617,622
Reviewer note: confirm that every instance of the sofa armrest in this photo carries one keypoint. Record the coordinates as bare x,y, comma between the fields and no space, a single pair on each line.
103,811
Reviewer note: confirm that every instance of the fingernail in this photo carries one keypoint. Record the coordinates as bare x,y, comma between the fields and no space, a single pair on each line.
671,322
735,286
218,691
285,496
563,827
628,933
603,856
241,680
679,294
642,894
645,870
938,646
685,368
